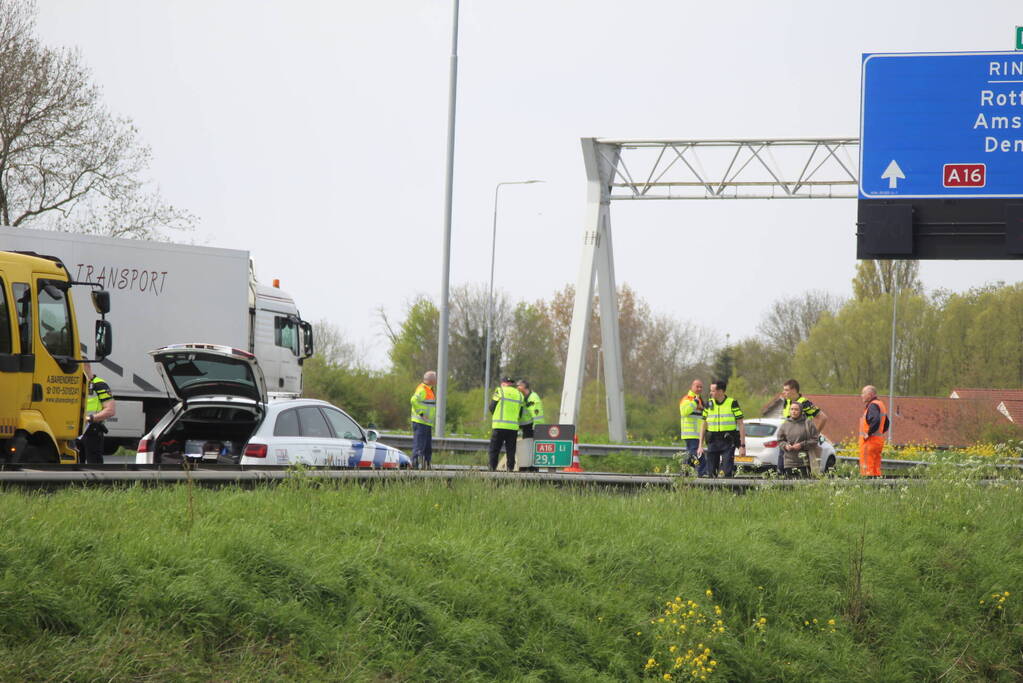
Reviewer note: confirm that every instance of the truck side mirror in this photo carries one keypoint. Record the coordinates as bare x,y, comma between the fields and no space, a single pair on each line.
101,301
104,338
307,339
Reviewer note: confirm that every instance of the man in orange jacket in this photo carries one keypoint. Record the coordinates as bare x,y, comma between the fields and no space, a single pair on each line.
873,426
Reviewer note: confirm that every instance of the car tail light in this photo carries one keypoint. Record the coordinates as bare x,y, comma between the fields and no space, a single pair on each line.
255,450
770,444
143,446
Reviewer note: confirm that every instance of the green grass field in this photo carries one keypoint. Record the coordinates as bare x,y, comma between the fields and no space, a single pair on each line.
475,580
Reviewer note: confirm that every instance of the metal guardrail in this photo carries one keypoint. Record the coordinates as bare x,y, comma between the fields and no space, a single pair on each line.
476,445
448,443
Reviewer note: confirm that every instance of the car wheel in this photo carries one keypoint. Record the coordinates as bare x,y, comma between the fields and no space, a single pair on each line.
830,464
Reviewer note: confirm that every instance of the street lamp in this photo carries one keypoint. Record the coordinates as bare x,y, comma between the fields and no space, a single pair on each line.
490,298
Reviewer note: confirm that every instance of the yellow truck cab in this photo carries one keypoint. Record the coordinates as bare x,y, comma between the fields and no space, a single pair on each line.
42,384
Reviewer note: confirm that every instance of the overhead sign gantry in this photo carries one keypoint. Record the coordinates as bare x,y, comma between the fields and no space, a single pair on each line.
803,168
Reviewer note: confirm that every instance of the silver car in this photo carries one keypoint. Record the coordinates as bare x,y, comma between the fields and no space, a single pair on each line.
762,446
224,415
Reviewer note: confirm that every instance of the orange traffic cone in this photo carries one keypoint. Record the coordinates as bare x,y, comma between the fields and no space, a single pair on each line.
576,466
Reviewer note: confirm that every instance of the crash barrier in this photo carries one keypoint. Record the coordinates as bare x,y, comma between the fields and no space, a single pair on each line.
598,449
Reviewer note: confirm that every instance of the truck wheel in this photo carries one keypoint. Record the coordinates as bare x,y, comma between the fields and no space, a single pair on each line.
28,450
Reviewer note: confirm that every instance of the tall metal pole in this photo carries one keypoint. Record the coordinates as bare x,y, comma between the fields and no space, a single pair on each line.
891,370
490,297
442,337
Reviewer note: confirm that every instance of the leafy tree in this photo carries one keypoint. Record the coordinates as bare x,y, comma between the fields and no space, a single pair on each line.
414,343
852,348
65,161
531,350
876,278
762,365
724,363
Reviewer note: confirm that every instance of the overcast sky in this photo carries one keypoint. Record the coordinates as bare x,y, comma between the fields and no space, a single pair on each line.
313,134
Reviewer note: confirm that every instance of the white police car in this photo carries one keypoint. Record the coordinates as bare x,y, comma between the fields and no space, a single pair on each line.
224,415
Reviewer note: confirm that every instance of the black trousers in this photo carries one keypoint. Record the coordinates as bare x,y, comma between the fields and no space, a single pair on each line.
505,437
91,445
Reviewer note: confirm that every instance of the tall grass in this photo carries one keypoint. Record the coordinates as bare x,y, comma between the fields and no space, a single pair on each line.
475,580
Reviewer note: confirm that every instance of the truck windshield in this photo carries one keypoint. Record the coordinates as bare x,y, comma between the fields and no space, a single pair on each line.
55,318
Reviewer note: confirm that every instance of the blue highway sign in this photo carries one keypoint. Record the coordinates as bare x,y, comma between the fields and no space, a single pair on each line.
941,125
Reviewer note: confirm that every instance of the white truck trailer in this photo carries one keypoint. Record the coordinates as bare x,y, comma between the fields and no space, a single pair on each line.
163,293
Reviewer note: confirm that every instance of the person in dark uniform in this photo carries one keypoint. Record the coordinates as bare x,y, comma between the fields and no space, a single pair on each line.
99,407
505,407
721,431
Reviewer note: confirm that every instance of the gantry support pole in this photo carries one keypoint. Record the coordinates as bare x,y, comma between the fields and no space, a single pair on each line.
597,264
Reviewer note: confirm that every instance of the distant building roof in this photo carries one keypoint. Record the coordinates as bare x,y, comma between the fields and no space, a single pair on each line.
916,420
994,395
1012,410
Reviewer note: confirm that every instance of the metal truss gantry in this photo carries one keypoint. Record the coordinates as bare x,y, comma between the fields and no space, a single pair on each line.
802,168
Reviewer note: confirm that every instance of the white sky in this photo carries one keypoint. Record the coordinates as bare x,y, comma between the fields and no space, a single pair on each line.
313,134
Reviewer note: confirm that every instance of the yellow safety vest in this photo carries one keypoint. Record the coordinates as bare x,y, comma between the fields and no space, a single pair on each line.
691,409
99,391
532,410
722,417
509,405
812,411
424,405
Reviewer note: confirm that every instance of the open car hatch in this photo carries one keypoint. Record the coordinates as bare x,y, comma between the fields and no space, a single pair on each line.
193,370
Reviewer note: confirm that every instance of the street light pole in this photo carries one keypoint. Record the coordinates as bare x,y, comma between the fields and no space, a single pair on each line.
891,366
490,296
442,336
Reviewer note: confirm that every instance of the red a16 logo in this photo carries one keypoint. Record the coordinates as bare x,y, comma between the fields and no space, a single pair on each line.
964,175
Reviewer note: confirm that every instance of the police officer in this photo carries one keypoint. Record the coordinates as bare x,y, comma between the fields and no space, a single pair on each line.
690,408
790,392
505,406
99,407
532,409
424,412
721,431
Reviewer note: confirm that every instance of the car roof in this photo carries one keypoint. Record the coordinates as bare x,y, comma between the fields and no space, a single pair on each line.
280,404
766,420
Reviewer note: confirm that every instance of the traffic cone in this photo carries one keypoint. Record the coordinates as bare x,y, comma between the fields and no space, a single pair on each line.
576,466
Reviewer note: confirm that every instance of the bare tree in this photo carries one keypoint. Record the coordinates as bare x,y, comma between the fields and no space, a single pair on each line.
333,345
789,321
65,161
467,348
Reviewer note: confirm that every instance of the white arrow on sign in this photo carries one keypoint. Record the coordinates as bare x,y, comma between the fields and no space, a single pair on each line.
893,173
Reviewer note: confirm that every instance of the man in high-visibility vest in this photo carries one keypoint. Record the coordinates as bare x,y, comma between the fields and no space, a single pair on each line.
532,409
690,408
721,431
505,406
873,426
424,411
99,407
790,392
